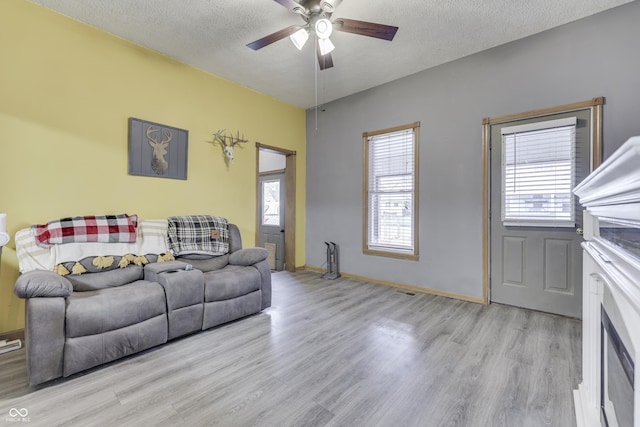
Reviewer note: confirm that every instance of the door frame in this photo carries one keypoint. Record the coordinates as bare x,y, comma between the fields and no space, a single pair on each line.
594,104
290,202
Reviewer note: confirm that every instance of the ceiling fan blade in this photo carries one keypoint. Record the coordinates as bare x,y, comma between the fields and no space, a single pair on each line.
324,61
271,38
369,29
293,6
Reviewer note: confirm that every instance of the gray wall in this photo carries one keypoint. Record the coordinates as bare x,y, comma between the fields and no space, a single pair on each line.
596,56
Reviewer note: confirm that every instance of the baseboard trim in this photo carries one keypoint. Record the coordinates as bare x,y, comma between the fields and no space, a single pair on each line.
18,334
477,300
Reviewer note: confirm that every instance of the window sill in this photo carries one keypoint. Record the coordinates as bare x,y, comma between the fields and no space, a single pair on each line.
389,254
533,223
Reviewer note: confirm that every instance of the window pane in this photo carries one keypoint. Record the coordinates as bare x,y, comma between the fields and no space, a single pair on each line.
391,207
271,202
537,177
390,187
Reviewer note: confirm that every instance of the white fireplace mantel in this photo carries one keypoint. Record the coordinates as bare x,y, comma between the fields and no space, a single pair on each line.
611,271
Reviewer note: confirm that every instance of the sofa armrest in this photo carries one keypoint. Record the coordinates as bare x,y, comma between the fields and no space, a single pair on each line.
265,282
151,271
44,338
42,284
248,256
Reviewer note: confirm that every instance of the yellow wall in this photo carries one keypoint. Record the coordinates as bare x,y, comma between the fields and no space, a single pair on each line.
67,91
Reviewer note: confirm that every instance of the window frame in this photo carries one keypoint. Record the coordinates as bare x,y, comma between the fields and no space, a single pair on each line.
387,250
523,220
279,213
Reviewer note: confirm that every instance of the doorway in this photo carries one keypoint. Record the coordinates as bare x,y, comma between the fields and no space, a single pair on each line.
271,202
275,215
532,221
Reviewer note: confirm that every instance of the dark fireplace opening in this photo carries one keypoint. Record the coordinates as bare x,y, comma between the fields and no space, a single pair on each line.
617,386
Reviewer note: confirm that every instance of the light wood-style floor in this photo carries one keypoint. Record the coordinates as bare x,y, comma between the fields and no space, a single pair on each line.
329,353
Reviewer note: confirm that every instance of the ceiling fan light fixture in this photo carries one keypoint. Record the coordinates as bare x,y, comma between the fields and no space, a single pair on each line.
329,6
325,46
299,38
323,28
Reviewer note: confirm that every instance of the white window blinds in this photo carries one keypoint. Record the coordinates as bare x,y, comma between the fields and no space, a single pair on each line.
538,170
391,191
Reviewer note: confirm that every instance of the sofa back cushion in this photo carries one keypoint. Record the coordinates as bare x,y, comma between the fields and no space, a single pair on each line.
106,279
207,263
235,239
104,310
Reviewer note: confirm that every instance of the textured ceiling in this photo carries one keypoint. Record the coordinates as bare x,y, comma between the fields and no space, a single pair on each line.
212,35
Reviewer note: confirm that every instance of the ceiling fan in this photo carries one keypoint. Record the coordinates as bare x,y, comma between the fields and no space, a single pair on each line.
317,14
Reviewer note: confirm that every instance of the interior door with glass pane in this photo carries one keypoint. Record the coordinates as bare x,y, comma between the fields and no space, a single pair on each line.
272,204
536,258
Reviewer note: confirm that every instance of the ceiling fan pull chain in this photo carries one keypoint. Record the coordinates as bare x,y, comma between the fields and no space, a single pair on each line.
315,73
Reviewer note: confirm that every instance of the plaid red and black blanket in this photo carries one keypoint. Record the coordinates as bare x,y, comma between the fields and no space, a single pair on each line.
96,228
198,234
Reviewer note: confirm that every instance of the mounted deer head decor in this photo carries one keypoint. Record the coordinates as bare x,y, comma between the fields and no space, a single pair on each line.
158,163
228,142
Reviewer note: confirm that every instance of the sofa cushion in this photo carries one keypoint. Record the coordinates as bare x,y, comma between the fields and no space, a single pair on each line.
230,282
106,279
209,264
102,310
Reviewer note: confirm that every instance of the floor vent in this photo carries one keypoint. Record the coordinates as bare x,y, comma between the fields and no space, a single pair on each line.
411,294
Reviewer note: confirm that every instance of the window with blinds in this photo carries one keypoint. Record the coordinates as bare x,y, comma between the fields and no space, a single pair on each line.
538,174
390,208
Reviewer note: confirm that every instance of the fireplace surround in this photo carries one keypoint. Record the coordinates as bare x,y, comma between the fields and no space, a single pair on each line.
617,372
611,292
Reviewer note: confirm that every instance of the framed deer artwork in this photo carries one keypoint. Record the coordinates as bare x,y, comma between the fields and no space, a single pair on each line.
157,150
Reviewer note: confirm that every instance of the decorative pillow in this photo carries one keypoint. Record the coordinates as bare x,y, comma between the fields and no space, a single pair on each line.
96,264
198,234
97,228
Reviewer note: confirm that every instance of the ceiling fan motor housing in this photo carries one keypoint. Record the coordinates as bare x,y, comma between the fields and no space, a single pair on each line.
312,7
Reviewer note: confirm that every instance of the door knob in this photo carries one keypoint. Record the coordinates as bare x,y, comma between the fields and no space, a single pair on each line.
579,231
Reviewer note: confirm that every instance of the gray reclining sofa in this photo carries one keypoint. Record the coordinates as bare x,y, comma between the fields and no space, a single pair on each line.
78,321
